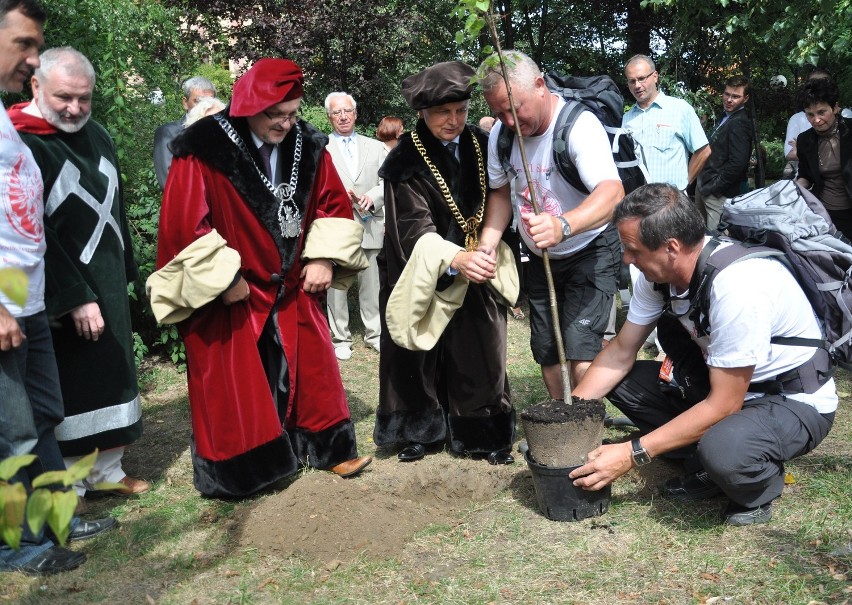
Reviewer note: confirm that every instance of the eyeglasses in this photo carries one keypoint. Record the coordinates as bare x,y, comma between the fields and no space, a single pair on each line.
339,112
641,79
281,118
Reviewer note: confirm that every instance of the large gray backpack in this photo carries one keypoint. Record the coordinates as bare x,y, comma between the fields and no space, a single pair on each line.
790,219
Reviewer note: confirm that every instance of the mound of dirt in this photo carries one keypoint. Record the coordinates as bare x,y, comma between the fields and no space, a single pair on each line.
325,519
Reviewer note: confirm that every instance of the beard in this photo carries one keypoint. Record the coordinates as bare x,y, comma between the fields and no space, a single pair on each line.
60,120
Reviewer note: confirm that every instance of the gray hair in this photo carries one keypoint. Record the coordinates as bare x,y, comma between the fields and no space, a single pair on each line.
204,105
522,71
664,213
72,62
637,59
196,83
336,95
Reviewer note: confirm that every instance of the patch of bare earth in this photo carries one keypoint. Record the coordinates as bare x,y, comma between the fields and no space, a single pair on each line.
323,518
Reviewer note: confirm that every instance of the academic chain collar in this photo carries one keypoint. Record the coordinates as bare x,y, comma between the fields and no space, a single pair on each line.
289,217
468,226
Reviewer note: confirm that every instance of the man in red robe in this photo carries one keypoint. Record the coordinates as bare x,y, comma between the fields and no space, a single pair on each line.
255,227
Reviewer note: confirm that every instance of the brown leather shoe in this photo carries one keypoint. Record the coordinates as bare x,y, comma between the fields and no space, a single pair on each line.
351,467
132,487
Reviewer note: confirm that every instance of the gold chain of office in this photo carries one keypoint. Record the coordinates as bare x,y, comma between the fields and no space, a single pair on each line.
471,225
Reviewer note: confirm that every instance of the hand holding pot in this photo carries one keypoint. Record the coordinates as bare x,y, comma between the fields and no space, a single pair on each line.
605,464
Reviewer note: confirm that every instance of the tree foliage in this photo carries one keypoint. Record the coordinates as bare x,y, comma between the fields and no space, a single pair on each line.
363,47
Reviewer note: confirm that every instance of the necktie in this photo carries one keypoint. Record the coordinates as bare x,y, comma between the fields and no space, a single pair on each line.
451,147
265,151
349,154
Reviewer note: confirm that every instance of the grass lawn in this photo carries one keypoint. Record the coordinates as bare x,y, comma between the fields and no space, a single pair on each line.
448,530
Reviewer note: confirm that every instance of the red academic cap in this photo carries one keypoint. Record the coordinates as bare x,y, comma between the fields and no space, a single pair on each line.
267,83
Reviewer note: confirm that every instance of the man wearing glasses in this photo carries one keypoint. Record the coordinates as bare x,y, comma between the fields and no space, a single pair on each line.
674,145
727,171
357,159
255,227
666,127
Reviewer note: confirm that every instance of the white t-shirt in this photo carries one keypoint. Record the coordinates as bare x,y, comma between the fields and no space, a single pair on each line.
22,242
750,302
589,150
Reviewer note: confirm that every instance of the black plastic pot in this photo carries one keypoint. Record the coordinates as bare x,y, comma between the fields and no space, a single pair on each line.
558,498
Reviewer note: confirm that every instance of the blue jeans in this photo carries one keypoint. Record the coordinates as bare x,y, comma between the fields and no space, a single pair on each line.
30,408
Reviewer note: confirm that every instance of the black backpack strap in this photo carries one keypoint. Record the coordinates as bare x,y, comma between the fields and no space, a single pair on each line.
701,276
561,132
505,138
806,378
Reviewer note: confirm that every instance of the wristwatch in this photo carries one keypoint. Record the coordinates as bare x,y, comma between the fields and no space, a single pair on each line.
640,454
566,228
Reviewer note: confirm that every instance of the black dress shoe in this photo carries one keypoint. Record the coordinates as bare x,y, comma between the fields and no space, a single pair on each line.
90,529
500,458
53,560
412,452
734,514
691,487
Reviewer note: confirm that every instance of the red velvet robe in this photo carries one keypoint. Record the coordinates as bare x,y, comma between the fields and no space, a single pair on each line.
239,444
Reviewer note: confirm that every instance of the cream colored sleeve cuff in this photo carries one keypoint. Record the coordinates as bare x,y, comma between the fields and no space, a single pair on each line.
337,240
417,314
197,275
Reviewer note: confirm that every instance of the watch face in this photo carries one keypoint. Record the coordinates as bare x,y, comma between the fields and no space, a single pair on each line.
640,454
641,458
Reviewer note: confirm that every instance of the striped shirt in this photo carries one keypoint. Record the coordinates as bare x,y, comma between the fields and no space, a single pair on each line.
668,131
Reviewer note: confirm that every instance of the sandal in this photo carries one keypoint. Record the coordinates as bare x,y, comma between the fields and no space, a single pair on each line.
517,313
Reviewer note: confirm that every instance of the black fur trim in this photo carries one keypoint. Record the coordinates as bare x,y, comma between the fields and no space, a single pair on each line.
401,428
247,473
404,161
208,142
326,448
482,434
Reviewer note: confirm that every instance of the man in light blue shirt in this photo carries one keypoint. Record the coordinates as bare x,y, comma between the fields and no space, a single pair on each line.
668,130
666,127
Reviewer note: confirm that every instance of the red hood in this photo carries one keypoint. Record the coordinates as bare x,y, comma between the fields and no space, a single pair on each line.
25,122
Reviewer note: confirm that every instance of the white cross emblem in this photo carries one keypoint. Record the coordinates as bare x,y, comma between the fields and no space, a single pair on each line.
68,182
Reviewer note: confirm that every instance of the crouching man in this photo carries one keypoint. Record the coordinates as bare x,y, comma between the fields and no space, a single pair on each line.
732,433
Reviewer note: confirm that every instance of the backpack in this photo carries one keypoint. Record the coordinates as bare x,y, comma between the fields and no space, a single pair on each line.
601,96
787,222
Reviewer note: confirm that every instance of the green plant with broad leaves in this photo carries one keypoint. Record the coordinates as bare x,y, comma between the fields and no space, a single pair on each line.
54,507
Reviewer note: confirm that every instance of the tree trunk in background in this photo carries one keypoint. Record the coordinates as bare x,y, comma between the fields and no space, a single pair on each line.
638,28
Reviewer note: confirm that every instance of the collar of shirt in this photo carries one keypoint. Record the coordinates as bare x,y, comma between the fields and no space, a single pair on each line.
456,142
340,137
659,101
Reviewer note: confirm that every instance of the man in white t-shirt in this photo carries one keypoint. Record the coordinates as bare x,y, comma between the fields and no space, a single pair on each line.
573,226
30,398
763,403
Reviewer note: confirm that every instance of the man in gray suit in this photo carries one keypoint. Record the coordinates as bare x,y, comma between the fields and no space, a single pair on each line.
194,89
357,159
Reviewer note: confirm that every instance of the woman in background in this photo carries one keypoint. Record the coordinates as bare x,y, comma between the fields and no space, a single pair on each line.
824,152
389,130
